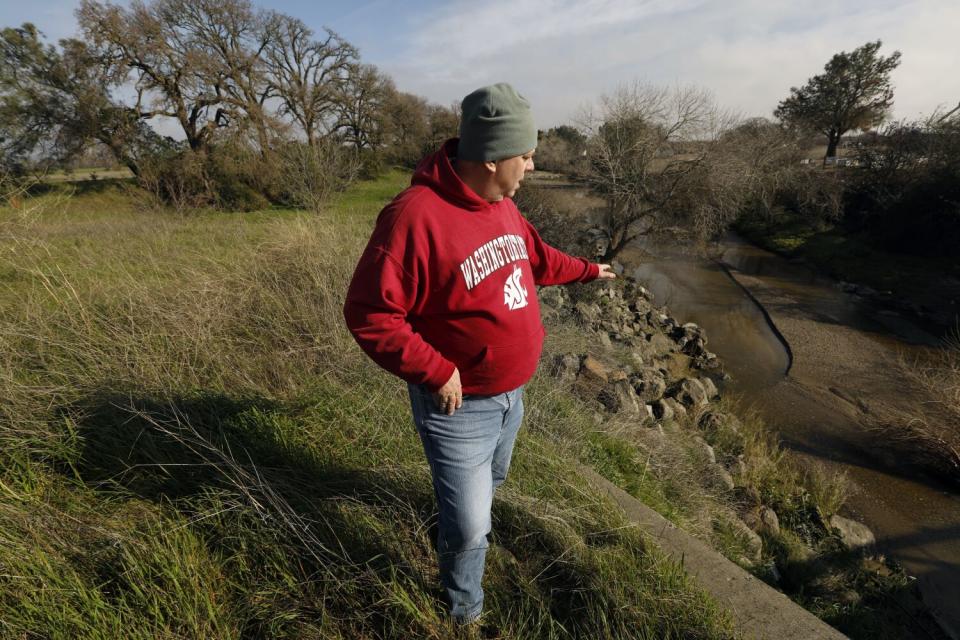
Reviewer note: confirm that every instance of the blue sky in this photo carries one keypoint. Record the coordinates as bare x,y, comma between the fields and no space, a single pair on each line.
563,54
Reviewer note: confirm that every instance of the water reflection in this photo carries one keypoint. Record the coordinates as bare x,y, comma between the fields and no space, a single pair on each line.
698,290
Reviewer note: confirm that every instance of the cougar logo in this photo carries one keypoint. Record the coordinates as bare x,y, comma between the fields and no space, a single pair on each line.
514,293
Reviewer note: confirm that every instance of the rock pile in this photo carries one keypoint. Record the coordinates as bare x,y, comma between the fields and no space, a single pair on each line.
668,383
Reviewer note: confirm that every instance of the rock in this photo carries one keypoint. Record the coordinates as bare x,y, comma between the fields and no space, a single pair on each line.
722,478
661,344
711,421
738,467
709,387
708,361
679,411
763,519
589,313
649,384
637,290
853,534
647,415
769,521
662,410
690,393
753,541
637,359
692,330
619,397
565,366
876,566
605,340
695,348
616,267
705,450
670,427
555,297
593,371
651,437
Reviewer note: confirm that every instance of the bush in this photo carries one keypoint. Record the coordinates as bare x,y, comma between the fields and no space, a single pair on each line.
177,179
234,176
907,192
312,174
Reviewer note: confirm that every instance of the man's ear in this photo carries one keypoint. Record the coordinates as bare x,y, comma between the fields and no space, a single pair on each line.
490,166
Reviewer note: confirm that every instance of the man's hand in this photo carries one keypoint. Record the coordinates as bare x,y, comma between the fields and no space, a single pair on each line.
605,272
449,397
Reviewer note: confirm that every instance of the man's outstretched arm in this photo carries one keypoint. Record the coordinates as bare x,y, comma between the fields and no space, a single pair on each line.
552,266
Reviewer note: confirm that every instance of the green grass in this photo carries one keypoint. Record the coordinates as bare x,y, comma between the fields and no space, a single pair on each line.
192,446
852,257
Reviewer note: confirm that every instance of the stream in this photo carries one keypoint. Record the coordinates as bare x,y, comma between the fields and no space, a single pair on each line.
814,360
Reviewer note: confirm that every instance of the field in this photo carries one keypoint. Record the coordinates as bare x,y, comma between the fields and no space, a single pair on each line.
191,445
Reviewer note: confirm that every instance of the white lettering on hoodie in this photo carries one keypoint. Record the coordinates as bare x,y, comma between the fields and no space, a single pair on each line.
490,256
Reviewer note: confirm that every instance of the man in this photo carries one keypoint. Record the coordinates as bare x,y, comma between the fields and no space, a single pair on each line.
444,298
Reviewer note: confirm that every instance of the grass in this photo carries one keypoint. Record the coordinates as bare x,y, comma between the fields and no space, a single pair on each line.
930,439
851,257
191,445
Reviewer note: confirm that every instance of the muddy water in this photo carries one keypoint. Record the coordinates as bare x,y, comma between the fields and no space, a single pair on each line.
815,361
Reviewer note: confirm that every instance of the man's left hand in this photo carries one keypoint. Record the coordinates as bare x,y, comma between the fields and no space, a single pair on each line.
605,272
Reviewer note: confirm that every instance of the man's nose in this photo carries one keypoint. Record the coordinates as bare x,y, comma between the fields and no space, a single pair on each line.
529,165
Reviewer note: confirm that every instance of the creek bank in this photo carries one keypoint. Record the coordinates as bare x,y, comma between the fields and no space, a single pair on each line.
657,386
925,289
845,375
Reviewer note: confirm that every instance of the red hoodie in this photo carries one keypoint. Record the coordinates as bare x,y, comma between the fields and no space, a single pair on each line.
447,281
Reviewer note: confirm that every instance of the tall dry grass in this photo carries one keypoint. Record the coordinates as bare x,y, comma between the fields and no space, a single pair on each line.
930,434
192,446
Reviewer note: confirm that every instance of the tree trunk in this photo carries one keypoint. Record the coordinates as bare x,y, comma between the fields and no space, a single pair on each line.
833,139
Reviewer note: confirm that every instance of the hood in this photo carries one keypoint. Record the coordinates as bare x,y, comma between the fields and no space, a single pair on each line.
436,172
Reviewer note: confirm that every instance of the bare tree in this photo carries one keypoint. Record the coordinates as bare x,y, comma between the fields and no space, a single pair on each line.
646,145
768,156
360,107
230,38
308,75
170,71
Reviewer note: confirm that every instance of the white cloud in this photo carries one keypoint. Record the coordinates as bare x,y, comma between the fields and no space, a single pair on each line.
749,53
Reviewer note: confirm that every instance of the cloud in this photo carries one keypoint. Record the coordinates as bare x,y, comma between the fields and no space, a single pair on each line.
562,54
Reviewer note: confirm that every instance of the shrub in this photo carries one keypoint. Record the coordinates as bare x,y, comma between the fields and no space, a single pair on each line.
235,176
312,174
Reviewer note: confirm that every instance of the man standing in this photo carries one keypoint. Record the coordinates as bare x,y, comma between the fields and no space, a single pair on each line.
444,298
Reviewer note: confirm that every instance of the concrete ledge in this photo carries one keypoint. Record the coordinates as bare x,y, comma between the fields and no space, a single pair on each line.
759,611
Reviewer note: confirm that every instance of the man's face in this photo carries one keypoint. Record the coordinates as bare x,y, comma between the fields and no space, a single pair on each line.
510,171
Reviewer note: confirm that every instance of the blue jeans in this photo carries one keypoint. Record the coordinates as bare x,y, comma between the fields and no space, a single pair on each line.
469,454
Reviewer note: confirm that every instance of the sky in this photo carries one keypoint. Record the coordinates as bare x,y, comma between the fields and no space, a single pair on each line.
564,54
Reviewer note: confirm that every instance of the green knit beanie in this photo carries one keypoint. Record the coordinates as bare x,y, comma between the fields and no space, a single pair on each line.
495,123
